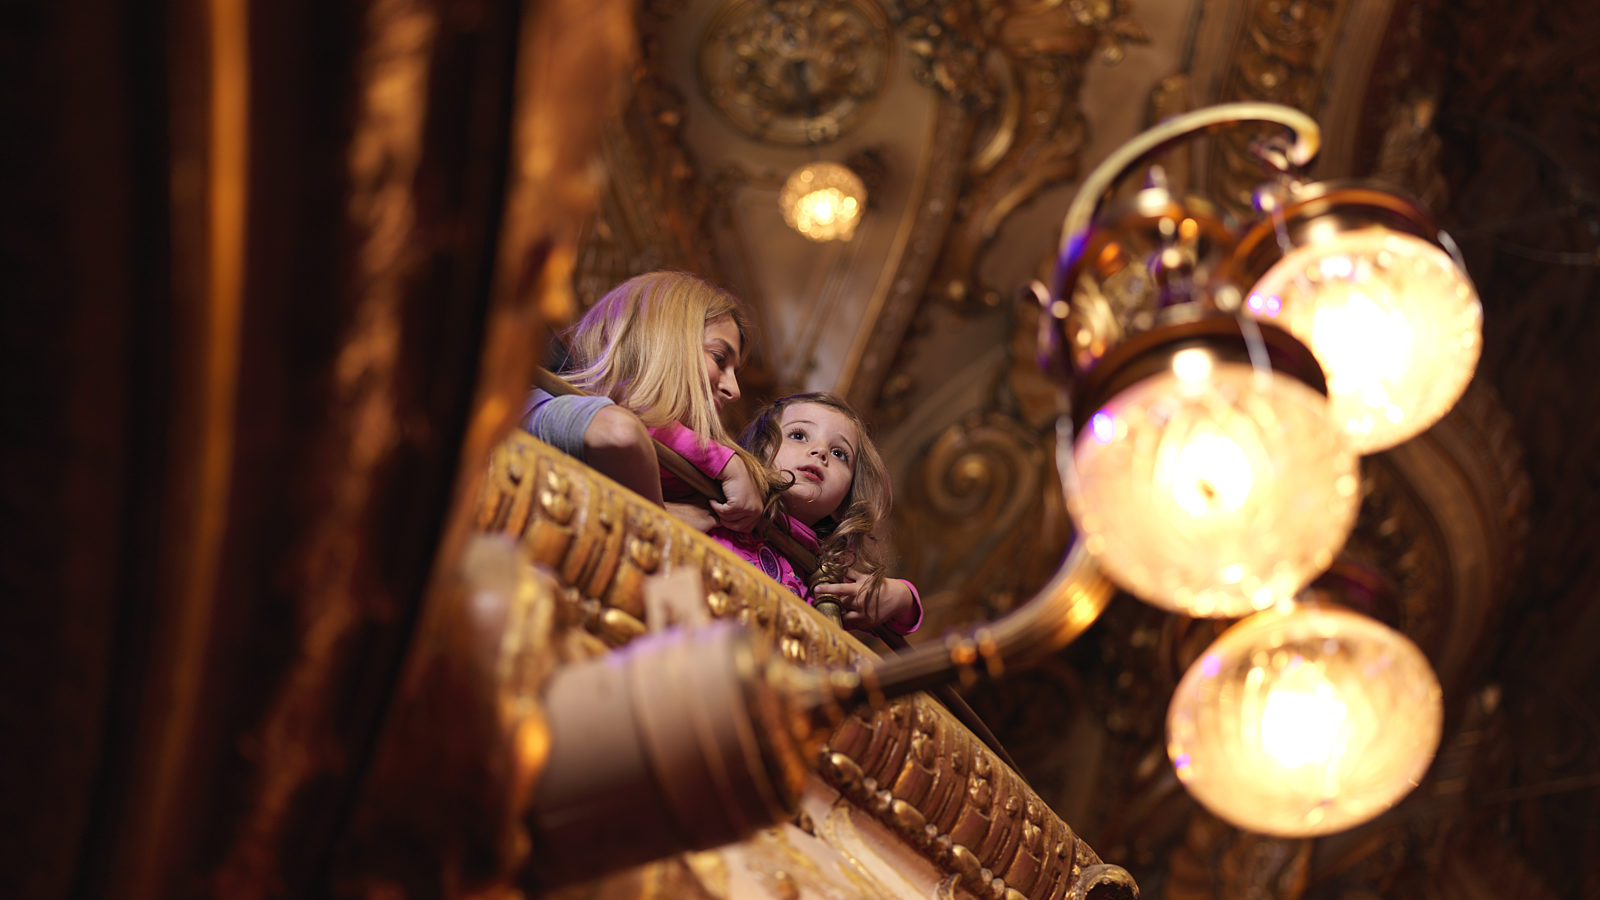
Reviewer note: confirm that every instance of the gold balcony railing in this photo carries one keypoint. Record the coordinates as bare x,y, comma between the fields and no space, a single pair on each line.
910,764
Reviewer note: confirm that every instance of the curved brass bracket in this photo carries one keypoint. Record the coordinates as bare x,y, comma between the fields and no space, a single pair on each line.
1092,193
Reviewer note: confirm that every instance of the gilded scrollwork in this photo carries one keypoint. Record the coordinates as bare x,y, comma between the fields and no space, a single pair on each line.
795,72
992,468
948,45
1018,69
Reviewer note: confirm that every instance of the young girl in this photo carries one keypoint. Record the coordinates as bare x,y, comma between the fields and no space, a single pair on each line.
837,494
659,354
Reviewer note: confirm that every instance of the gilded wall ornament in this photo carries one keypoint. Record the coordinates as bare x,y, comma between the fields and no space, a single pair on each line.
1279,58
795,72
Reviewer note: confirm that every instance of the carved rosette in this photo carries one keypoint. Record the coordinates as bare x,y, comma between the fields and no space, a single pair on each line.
795,72
912,765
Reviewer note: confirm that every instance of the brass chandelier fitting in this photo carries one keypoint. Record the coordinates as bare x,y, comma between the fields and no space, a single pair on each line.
1209,453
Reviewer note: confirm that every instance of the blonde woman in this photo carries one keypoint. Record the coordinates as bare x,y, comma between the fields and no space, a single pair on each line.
660,355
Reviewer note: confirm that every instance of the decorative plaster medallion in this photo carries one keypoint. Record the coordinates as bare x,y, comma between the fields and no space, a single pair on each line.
795,72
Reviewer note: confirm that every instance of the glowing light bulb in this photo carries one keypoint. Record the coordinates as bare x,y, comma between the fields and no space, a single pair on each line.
1191,365
1215,492
1210,476
1364,345
1395,324
1304,720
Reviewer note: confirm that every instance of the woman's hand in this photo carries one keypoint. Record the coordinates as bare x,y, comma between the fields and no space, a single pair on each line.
742,510
697,515
893,602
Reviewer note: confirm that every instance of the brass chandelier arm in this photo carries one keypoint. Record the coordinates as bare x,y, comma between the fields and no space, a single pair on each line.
1055,616
1092,193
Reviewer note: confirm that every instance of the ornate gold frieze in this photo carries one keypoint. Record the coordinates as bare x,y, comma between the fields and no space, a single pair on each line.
795,72
912,765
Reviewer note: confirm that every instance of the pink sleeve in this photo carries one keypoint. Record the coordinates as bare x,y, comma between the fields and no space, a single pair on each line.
709,457
899,625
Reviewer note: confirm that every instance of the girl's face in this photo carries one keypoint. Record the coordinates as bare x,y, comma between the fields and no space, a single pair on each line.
818,450
722,347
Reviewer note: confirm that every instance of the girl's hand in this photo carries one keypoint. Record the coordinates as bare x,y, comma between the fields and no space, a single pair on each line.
742,510
893,602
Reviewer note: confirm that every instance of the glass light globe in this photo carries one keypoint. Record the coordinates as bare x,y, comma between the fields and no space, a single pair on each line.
823,201
1211,489
1304,720
1394,322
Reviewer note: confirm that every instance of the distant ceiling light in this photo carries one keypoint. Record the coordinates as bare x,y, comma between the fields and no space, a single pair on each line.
823,201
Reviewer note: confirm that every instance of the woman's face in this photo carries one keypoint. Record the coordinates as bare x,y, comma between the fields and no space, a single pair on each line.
818,451
722,346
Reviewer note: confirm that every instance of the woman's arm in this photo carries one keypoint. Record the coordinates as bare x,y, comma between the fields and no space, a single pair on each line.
740,508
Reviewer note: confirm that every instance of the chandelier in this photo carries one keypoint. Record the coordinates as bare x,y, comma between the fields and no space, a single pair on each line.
823,201
1223,378
1220,381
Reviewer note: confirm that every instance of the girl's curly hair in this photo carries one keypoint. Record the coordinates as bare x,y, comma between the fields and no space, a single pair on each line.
848,539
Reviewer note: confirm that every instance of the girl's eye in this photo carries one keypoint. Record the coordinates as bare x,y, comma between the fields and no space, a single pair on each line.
797,435
843,456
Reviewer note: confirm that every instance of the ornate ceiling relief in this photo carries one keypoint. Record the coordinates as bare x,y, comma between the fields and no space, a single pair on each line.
1280,57
795,75
658,205
1015,71
988,468
1034,132
655,206
796,72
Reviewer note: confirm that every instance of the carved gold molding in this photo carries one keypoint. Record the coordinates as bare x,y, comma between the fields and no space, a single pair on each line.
1279,57
795,72
1012,74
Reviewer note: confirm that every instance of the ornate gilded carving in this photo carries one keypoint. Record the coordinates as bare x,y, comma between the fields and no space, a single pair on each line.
990,467
1279,57
795,72
948,45
603,541
912,765
891,308
923,774
1013,73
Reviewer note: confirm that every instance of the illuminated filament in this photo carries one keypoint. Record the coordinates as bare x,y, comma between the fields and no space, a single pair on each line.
1302,718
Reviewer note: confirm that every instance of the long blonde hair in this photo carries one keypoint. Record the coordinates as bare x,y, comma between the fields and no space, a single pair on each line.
642,345
849,536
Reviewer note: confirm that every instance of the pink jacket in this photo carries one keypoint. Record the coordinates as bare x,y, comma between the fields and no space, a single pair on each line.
709,457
